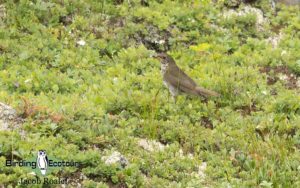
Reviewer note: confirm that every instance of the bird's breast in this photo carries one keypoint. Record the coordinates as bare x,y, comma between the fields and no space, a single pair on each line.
164,68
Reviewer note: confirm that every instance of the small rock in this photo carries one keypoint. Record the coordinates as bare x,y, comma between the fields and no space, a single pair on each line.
9,119
218,28
283,77
260,20
161,41
82,176
114,158
115,80
275,40
201,170
2,12
81,42
7,112
180,153
190,155
151,145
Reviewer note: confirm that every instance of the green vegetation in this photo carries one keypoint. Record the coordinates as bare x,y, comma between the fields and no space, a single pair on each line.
81,74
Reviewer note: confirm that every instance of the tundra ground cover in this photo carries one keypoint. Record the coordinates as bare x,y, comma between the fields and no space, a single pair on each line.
82,76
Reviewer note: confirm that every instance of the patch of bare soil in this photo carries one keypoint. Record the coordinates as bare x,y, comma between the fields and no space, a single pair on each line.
283,73
206,122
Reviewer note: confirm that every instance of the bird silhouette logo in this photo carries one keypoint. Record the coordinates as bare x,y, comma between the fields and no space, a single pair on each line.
42,161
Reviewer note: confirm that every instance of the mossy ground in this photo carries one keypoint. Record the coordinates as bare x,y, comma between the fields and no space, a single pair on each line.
82,75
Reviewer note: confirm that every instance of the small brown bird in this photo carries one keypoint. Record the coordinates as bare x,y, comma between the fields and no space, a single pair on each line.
177,81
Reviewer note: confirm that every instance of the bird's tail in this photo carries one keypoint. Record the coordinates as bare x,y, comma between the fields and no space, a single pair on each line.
206,93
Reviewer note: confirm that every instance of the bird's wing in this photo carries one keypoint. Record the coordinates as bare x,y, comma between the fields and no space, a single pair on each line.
187,85
178,73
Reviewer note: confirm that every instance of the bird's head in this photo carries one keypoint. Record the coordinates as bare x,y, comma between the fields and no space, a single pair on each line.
164,58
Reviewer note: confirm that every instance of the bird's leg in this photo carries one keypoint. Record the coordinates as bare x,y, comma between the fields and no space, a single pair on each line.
174,97
185,99
169,105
